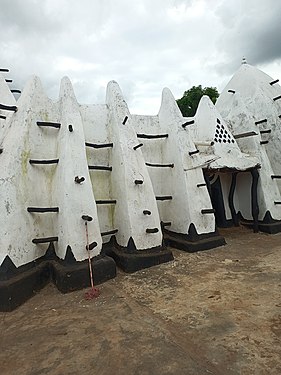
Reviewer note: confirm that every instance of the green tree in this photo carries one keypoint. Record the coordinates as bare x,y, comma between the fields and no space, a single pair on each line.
189,102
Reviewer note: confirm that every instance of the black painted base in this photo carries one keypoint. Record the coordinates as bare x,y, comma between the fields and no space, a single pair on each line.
69,277
267,225
230,223
20,288
129,259
17,285
192,241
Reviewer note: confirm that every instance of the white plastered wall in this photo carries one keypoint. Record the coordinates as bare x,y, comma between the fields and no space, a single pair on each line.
24,185
181,181
225,151
251,103
127,166
74,199
97,130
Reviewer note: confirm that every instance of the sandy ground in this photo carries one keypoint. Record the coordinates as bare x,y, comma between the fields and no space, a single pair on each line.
213,312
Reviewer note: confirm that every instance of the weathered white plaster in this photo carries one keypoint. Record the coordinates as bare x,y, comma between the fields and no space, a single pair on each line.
22,184
251,103
127,166
180,181
210,127
97,130
74,199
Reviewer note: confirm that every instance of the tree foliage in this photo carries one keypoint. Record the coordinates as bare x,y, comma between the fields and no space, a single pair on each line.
189,102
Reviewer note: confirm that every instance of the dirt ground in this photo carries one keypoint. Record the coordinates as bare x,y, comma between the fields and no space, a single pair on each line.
212,312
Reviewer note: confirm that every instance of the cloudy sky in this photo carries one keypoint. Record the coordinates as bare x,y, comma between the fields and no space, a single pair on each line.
145,45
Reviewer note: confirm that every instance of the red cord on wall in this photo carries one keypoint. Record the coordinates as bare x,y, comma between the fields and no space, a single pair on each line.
93,292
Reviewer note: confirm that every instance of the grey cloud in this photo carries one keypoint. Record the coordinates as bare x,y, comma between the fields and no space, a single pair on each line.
32,17
137,43
251,29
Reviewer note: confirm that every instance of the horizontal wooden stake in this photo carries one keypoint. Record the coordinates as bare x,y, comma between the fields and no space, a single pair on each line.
193,152
163,197
152,230
106,201
160,165
42,209
208,211
46,161
200,185
244,135
273,82
49,124
100,167
98,145
231,91
152,136
45,240
109,232
261,121
8,107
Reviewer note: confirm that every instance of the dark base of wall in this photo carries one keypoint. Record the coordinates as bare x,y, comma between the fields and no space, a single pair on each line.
229,223
18,288
192,241
129,259
70,277
267,225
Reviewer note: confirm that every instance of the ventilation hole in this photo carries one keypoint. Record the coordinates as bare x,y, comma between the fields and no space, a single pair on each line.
220,140
220,135
221,131
228,141
224,141
233,141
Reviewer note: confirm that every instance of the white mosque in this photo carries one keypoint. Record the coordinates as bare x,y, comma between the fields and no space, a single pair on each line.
96,182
